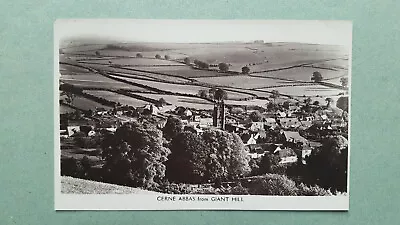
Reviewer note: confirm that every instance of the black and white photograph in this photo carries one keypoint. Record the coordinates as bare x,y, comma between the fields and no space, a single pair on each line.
202,114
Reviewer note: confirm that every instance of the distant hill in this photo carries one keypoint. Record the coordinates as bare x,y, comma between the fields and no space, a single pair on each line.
70,185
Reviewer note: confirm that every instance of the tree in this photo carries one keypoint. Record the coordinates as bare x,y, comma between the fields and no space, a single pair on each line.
256,116
316,103
268,163
316,77
228,158
172,128
223,67
344,81
187,161
274,95
139,55
135,155
158,56
220,95
343,103
167,57
327,165
307,101
203,93
187,61
245,70
286,105
161,102
211,92
273,184
329,101
70,96
97,53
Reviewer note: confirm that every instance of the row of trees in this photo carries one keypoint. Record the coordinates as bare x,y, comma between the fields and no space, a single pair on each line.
317,77
218,94
157,56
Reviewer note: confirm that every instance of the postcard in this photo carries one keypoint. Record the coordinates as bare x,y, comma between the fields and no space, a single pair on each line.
202,114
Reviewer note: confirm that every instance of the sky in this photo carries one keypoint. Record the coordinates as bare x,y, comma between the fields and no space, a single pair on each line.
206,31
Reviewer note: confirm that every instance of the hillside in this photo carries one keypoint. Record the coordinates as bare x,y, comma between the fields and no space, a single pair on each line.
70,185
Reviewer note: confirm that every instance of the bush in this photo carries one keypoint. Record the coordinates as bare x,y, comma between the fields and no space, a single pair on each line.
245,70
75,168
304,190
273,184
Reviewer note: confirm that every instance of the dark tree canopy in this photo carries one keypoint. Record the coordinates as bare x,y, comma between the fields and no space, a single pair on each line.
201,64
139,55
167,57
203,93
328,164
228,157
187,162
220,94
187,61
173,127
256,116
158,56
135,155
343,103
223,67
316,77
344,81
245,70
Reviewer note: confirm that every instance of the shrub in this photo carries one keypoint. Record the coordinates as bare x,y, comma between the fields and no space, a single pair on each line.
304,190
273,184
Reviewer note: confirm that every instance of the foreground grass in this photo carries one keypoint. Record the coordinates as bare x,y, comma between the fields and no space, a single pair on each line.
70,185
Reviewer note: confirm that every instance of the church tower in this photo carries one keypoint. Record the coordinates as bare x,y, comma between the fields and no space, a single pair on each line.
219,115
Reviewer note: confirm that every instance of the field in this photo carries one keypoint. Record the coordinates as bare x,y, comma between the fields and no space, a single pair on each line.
184,71
134,61
176,88
124,100
302,74
241,81
253,102
285,67
71,185
311,90
86,104
190,102
66,109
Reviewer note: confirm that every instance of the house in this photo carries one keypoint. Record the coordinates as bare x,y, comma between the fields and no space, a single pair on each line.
236,128
305,124
151,109
255,126
73,130
187,113
295,137
91,133
289,123
280,114
249,139
287,155
206,122
197,118
270,122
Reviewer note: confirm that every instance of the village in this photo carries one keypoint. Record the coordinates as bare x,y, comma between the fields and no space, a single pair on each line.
290,129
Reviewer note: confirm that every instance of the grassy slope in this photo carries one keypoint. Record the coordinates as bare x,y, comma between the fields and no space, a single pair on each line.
70,185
